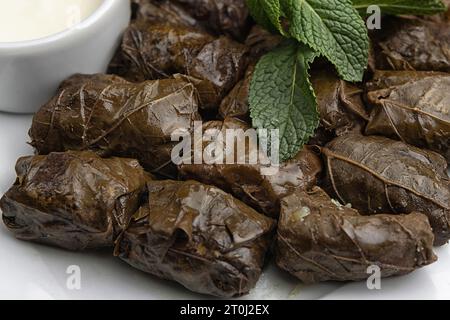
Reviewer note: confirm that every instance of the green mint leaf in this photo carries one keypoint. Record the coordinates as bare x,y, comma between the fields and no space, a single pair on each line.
259,14
333,28
281,96
397,7
267,13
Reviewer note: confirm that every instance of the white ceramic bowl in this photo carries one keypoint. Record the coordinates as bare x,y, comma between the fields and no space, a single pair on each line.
30,71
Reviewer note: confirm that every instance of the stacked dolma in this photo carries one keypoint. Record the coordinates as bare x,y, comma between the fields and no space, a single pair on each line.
73,200
260,41
111,116
259,184
182,58
219,17
413,107
412,44
380,175
155,51
188,232
319,239
340,103
235,104
199,236
164,11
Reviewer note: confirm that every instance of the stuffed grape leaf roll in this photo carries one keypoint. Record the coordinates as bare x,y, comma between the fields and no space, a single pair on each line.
198,236
413,44
380,175
385,79
164,11
229,17
218,17
260,41
113,117
154,51
256,183
340,103
318,239
73,200
235,104
414,108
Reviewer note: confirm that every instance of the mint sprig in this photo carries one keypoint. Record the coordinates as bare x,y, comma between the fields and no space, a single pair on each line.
333,28
281,79
281,96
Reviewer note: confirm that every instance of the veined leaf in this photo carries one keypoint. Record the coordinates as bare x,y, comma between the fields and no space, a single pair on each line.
266,13
281,96
333,28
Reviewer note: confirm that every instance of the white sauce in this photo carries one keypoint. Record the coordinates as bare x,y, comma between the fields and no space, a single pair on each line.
22,20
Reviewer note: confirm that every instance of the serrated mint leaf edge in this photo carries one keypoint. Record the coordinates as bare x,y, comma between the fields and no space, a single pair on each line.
350,72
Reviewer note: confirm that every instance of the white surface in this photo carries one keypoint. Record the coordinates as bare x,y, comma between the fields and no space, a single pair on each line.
30,71
31,271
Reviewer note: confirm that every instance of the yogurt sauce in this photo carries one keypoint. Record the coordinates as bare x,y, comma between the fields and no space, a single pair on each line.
22,20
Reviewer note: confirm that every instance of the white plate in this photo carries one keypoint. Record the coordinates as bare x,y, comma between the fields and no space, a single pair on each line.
31,271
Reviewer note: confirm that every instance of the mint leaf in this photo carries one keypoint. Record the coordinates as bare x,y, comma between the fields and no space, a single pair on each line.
266,13
397,7
333,28
259,14
281,96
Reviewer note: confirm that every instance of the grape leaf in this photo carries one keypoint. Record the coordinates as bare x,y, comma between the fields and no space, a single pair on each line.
397,7
281,96
333,28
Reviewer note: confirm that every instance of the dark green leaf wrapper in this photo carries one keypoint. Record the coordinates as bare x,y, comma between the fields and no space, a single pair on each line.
177,58
340,103
236,103
413,44
154,51
413,107
73,200
261,41
248,182
108,115
198,236
164,11
379,175
384,79
321,240
228,17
